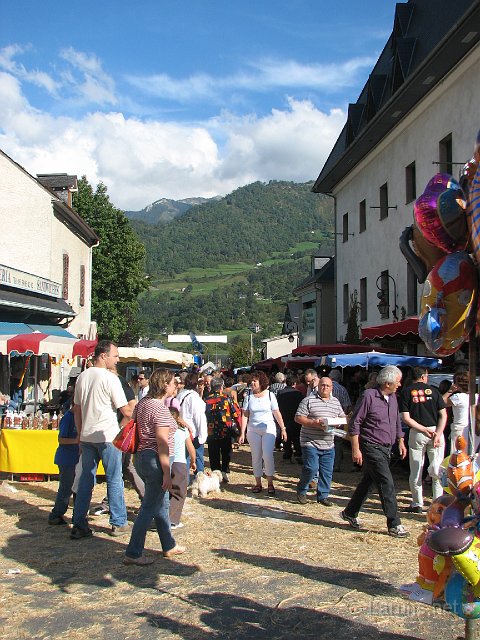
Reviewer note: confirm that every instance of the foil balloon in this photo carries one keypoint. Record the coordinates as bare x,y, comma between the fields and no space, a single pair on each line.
448,295
460,472
440,214
460,596
473,215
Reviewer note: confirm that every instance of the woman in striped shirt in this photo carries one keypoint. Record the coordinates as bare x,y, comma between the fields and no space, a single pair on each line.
156,430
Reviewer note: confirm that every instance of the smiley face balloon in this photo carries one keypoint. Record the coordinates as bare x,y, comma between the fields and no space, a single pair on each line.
448,295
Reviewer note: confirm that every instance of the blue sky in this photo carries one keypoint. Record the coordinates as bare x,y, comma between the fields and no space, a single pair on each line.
182,98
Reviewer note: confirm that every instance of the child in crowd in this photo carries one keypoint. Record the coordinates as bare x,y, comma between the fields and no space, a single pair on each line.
179,472
66,457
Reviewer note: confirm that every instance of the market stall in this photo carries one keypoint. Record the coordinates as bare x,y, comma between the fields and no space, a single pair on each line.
30,452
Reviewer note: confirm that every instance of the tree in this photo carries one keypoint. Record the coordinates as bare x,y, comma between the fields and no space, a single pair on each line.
240,352
118,265
353,331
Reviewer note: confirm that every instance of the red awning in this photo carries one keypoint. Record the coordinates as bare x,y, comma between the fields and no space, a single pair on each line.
84,348
391,329
327,349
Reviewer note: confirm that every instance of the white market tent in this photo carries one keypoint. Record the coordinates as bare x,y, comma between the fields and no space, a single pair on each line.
153,354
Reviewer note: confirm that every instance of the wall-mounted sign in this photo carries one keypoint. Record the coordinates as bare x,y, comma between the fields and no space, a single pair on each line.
28,282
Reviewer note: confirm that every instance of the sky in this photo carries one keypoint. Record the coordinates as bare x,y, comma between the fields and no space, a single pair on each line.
183,98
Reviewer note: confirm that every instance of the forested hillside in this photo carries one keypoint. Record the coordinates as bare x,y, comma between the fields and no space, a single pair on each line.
226,265
248,225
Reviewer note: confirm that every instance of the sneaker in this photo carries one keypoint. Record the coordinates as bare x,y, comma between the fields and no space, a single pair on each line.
415,509
117,532
55,520
102,510
141,561
176,526
77,533
225,477
353,522
398,532
326,502
302,498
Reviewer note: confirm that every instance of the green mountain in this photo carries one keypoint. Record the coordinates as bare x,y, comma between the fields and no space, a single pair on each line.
247,225
226,265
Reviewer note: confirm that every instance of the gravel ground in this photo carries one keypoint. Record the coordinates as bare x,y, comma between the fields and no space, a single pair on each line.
256,567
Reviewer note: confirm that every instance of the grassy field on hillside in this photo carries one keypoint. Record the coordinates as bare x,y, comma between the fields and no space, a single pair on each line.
204,280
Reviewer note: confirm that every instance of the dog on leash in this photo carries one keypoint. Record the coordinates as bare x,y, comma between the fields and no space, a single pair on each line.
206,482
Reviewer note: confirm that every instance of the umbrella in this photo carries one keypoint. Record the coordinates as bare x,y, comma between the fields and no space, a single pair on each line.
9,330
84,348
53,340
143,354
377,359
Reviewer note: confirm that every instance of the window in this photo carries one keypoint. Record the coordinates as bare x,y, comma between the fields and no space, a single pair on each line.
412,304
66,261
363,299
384,201
346,303
384,295
410,183
445,151
362,216
82,285
345,228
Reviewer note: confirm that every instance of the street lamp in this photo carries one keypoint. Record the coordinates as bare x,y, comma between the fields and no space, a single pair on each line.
384,296
290,326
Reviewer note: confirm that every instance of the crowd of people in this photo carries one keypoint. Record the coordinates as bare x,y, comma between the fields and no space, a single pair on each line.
305,416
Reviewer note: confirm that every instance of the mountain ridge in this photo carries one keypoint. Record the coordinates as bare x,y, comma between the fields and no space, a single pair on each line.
165,210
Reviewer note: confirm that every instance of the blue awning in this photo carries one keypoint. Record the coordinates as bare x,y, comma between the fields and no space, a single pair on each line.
377,359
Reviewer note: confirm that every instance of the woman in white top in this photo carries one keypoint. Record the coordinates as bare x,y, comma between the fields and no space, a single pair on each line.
260,410
457,397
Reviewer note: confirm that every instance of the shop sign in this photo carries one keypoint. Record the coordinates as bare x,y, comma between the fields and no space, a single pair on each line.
28,282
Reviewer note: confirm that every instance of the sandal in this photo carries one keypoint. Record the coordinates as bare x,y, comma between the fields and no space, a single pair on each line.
257,489
271,490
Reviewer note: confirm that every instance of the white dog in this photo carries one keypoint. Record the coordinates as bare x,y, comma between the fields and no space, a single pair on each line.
205,483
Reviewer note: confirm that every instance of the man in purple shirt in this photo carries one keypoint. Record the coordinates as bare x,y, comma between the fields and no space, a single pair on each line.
375,427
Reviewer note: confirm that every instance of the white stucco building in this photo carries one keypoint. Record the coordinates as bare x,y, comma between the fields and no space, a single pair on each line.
45,254
417,115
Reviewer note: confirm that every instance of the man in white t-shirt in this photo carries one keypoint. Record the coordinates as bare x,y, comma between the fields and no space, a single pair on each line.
98,395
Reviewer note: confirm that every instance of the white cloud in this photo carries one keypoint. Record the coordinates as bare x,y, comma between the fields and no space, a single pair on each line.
95,85
38,78
141,162
264,76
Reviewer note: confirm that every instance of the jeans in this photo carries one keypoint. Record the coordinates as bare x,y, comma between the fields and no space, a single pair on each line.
130,474
338,453
418,445
200,449
317,461
65,483
220,448
376,472
111,457
154,505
